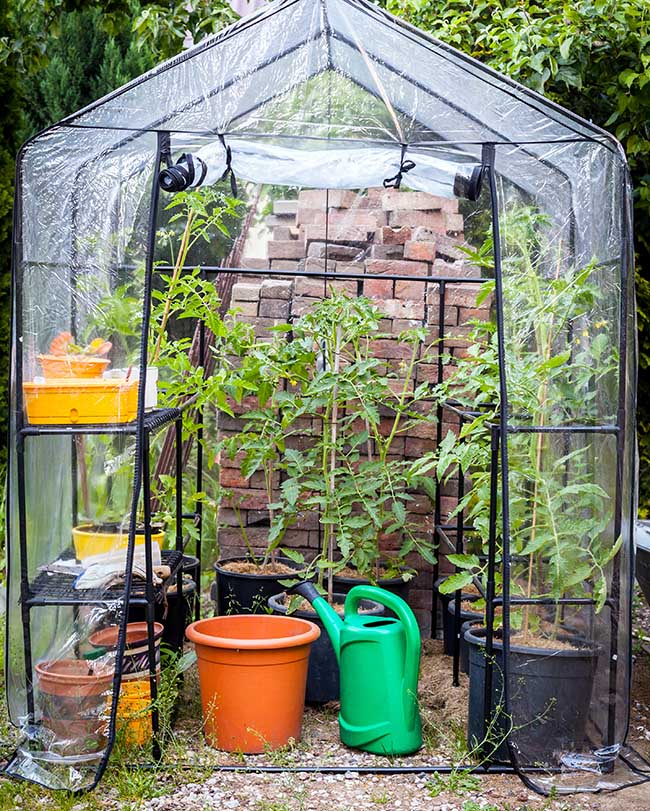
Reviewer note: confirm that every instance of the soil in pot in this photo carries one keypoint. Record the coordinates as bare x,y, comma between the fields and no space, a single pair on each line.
252,672
550,693
349,577
73,698
243,587
323,679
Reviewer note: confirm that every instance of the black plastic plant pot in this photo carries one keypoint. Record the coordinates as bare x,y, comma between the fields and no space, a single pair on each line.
241,593
178,614
550,693
448,620
396,585
464,645
323,679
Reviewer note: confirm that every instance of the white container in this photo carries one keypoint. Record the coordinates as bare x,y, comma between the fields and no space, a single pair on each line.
151,389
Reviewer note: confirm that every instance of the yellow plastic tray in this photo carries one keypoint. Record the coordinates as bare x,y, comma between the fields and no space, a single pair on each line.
81,402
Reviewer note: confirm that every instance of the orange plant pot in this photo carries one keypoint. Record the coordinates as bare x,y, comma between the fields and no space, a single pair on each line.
62,366
252,672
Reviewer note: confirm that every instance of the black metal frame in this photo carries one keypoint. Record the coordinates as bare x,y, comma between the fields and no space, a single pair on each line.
145,424
58,590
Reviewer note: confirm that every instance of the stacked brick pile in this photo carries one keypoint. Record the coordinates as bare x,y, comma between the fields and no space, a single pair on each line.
385,232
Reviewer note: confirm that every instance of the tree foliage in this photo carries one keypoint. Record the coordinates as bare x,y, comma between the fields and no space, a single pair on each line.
592,56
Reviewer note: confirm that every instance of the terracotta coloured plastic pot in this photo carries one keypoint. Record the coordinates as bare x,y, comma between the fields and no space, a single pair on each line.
61,366
135,661
252,671
73,696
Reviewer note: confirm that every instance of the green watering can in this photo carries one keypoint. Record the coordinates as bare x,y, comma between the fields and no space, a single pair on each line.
379,659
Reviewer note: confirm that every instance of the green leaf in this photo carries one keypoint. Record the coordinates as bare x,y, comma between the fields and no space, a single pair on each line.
455,582
465,561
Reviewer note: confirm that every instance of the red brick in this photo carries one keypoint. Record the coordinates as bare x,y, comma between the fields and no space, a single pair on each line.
245,292
285,264
423,251
411,291
302,306
274,308
342,233
254,263
319,198
388,348
384,252
285,249
307,286
434,220
397,267
451,314
417,201
282,233
418,447
448,247
245,307
394,236
311,216
284,208
396,308
454,222
459,269
357,218
466,314
462,295
231,477
378,288
398,325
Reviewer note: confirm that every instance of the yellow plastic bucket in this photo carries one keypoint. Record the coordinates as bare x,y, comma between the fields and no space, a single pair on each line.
134,711
89,542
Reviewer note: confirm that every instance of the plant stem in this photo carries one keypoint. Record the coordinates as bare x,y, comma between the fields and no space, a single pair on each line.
332,454
178,267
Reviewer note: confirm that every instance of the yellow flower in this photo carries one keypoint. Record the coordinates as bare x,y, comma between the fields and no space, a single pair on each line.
600,324
585,332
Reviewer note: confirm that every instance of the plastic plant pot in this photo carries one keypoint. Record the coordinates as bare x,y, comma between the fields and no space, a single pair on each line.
73,699
135,662
62,366
396,585
323,677
550,693
448,620
243,592
252,673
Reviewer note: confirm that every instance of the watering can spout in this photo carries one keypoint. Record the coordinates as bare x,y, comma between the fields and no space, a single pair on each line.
330,619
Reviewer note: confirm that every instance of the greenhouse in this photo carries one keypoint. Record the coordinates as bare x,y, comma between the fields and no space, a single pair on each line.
417,272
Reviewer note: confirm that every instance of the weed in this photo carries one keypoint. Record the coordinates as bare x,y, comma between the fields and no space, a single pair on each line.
458,782
380,799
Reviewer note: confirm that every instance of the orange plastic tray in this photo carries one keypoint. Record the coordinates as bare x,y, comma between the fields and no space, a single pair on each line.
70,401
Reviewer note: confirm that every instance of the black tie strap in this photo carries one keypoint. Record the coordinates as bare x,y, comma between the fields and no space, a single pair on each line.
404,167
228,170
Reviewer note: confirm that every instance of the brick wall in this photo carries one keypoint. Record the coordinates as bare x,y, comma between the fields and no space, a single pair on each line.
384,232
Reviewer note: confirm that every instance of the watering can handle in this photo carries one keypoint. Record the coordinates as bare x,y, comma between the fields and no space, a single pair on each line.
412,633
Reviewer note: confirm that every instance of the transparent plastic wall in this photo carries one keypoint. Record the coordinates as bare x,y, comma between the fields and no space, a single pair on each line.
568,325
83,209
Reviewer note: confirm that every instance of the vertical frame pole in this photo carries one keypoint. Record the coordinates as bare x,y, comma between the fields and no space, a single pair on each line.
488,162
141,443
437,516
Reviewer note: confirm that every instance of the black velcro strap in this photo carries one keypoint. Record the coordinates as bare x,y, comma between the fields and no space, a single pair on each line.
228,170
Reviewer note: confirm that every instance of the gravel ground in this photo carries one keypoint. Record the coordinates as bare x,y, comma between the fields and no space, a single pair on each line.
186,781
